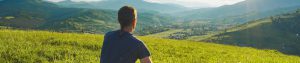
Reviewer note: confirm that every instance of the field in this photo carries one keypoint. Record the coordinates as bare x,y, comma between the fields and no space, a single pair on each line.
164,34
17,46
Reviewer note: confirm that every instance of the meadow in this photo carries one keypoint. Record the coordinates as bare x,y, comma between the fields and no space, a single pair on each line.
28,46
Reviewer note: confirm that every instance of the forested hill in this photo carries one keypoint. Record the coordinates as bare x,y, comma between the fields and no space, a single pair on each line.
42,15
38,14
141,5
244,11
278,32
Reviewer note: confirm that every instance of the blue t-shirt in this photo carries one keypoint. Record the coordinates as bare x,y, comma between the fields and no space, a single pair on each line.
122,47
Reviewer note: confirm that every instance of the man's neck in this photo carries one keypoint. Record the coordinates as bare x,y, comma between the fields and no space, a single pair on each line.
127,30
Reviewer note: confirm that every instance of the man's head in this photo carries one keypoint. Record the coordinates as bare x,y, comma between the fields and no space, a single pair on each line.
127,17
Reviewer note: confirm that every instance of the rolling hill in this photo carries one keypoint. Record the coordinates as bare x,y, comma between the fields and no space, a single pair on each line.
277,32
243,12
29,46
42,15
37,14
141,5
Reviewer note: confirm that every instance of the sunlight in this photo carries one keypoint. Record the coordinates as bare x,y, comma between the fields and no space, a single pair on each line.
186,3
146,31
198,3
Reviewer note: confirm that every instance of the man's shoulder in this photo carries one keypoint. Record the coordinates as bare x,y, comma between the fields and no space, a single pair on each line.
126,36
110,33
136,40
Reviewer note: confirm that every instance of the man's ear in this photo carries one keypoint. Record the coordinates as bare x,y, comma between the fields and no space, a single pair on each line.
134,23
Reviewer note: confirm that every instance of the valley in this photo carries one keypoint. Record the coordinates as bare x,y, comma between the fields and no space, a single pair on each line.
250,31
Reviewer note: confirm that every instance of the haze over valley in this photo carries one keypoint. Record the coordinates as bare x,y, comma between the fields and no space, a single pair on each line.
271,25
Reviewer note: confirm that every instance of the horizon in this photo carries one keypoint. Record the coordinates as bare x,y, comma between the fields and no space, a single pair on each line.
185,3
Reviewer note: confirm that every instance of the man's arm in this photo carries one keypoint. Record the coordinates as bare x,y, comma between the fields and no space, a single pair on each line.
144,53
146,60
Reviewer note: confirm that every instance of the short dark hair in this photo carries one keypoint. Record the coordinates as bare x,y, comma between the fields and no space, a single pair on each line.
126,15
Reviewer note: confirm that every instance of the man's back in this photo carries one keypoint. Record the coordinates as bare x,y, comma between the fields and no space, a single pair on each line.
122,47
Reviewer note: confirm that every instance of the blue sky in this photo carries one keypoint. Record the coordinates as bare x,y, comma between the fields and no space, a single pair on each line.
186,3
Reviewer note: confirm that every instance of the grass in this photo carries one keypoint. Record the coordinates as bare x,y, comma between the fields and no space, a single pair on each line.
233,29
277,32
199,38
18,46
250,25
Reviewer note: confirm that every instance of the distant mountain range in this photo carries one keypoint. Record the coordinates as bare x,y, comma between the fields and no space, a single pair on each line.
242,12
38,14
141,5
278,32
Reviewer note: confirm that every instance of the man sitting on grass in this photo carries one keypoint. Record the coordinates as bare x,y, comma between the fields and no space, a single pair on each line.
121,46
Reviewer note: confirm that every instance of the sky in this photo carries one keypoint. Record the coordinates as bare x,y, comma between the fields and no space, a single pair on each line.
74,0
186,3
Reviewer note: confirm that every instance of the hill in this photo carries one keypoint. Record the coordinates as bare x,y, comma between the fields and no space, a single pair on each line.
244,11
141,5
41,46
38,14
277,32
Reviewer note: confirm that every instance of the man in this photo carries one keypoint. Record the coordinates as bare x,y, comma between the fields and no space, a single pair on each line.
121,46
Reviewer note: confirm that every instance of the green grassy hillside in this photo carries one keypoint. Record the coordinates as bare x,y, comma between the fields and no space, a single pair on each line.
40,46
278,32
